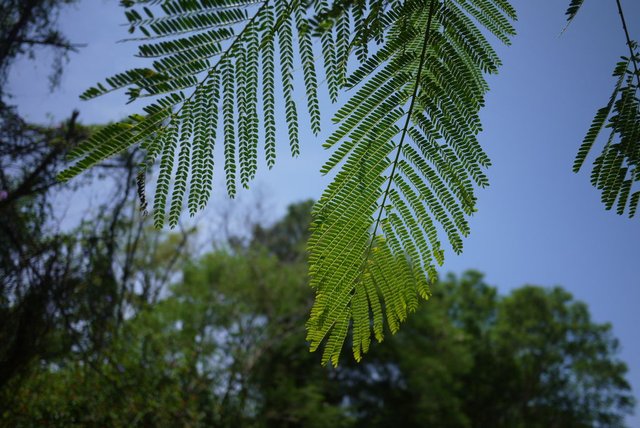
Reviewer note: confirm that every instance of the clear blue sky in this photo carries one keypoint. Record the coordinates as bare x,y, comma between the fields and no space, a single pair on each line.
538,223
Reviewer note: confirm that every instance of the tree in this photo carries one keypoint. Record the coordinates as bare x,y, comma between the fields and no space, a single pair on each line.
66,294
225,347
38,267
208,354
63,290
29,24
533,358
406,154
66,290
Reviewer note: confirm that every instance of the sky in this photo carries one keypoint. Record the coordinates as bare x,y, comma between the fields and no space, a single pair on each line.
538,222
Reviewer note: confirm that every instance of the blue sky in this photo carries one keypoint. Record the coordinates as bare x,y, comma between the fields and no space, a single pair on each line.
538,223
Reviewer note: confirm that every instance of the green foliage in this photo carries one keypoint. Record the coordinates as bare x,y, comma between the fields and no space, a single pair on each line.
225,348
407,159
616,170
405,148
209,53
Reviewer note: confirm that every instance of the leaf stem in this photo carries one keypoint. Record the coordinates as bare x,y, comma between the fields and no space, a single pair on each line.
406,124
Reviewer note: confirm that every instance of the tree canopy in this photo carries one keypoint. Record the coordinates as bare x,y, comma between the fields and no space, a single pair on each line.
225,347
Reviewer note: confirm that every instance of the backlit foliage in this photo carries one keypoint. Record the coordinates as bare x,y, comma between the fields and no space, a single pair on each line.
404,150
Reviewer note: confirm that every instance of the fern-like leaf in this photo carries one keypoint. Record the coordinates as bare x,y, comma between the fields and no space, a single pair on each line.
617,168
408,159
206,57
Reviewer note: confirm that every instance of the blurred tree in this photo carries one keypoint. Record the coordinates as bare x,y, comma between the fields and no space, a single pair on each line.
29,24
473,359
35,268
220,350
564,373
225,347
63,290
287,238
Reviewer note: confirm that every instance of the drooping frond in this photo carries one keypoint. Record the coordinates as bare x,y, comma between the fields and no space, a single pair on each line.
617,168
407,160
212,61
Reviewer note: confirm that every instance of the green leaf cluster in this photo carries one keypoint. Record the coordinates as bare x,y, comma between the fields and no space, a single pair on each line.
405,151
213,72
616,170
407,160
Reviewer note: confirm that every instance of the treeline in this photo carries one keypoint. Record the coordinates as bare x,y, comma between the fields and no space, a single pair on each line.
224,345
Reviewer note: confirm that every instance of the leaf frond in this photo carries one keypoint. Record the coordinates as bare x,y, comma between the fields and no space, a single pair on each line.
407,160
215,56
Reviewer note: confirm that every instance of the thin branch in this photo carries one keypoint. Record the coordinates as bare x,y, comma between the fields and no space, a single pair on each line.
406,125
53,43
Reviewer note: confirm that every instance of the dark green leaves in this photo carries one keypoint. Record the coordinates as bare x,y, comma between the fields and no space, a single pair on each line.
573,9
212,56
617,168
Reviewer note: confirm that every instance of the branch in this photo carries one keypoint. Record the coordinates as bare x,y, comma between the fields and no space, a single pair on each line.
630,43
53,43
406,125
